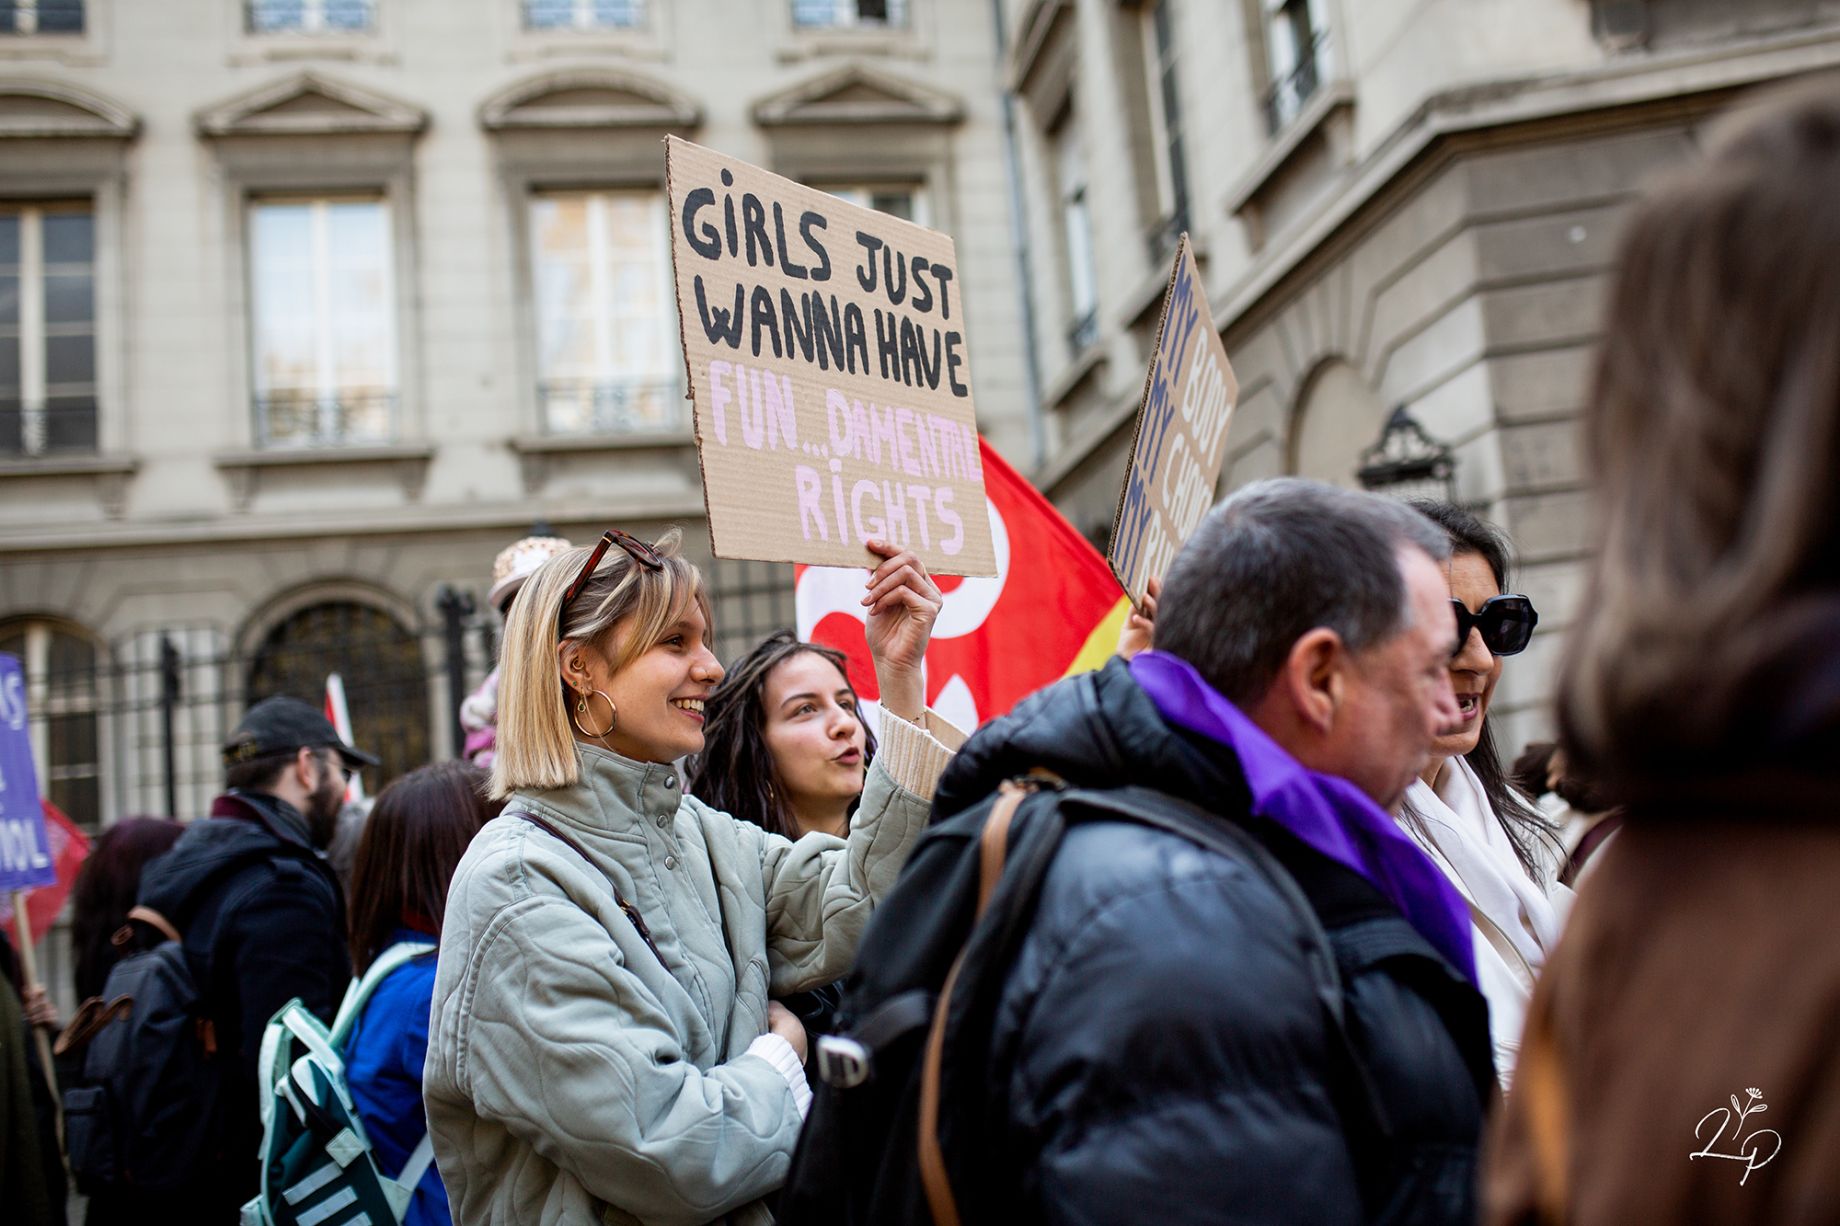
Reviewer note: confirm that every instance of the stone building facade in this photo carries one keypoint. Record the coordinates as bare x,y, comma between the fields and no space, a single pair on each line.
1393,204
308,307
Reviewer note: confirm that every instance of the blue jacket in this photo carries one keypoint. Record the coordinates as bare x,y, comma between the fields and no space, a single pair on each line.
383,1067
1159,1051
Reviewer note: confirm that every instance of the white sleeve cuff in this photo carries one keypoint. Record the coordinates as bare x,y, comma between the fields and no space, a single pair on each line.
915,756
779,1053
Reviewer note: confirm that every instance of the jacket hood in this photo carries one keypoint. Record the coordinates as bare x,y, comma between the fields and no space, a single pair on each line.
1098,729
171,883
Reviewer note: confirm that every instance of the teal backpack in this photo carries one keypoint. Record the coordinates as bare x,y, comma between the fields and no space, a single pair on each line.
318,1167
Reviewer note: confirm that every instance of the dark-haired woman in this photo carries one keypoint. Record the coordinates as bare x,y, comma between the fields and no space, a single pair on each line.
106,888
1494,846
787,748
417,832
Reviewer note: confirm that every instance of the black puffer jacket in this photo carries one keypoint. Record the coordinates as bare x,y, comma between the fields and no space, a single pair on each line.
1160,1054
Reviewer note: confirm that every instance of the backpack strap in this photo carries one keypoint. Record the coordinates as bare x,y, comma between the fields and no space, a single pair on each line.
1190,821
632,912
993,849
359,993
153,919
418,1162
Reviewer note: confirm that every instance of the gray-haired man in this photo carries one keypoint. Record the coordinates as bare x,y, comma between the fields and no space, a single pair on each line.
1169,1044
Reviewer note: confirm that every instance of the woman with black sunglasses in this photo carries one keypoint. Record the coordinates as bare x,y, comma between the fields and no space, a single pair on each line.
605,1039
1502,856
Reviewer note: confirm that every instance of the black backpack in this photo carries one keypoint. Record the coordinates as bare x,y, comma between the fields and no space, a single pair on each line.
897,1126
144,1113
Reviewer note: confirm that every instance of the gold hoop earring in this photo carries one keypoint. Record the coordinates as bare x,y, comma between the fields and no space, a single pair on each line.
581,709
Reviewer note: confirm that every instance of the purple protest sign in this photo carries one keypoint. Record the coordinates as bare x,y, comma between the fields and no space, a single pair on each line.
25,856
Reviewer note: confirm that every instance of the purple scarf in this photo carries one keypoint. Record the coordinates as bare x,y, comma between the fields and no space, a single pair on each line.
1325,812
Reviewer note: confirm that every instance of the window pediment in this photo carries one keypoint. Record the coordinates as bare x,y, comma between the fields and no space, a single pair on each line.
855,94
588,98
33,108
310,104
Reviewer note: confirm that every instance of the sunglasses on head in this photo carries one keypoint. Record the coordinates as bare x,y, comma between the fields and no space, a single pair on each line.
1506,623
637,549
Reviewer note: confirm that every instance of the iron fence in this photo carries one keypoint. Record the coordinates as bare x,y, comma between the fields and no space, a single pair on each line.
136,726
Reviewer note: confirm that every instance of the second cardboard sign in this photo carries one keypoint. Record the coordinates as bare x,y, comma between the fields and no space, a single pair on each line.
1181,435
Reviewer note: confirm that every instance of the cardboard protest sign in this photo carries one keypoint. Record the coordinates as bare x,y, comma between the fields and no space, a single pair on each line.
25,855
825,348
1181,435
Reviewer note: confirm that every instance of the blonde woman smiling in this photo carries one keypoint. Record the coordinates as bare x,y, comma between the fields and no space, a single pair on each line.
604,1046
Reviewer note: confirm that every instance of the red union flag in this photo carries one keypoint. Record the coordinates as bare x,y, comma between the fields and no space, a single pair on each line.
1052,609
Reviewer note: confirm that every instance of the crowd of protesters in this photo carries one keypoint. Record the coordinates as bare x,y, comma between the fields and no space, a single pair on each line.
1298,943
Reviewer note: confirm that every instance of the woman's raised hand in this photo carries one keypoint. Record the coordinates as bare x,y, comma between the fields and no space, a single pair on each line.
903,605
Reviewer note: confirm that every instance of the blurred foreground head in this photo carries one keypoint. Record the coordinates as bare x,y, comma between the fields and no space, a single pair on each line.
1709,639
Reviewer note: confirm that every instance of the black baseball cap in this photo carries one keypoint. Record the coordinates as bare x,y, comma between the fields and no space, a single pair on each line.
281,725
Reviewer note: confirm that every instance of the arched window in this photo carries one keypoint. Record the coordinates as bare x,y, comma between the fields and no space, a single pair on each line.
386,681
1337,416
63,695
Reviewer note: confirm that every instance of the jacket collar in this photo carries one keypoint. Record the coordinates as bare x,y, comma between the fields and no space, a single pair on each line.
1327,814
272,813
611,793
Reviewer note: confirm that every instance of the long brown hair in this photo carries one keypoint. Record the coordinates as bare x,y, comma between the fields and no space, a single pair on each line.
736,772
412,842
1714,440
107,885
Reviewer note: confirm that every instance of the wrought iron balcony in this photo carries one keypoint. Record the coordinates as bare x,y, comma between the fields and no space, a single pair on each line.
309,16
583,14
309,418
27,17
1285,98
612,406
66,426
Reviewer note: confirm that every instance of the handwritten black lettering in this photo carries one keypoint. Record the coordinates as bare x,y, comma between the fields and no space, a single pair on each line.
792,268
761,312
720,325
809,222
706,242
923,293
954,360
865,272
754,224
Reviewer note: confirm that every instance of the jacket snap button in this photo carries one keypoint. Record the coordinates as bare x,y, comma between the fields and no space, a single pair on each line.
670,781
670,862
664,819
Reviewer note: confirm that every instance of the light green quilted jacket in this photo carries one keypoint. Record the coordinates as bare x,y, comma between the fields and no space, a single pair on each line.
571,1076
